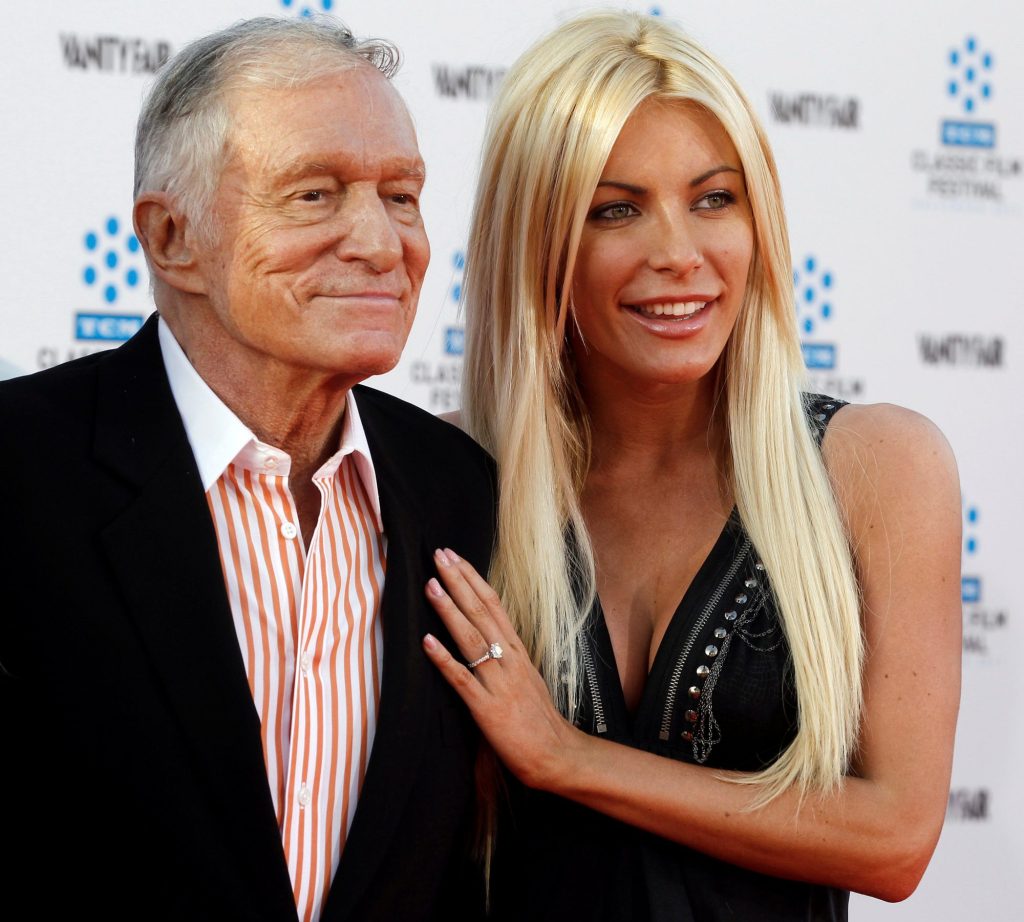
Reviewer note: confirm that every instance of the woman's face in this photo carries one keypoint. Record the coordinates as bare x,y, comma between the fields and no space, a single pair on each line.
663,260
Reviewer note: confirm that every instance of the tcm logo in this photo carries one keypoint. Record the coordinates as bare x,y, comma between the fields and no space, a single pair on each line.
454,340
308,10
107,327
112,269
970,586
970,88
813,289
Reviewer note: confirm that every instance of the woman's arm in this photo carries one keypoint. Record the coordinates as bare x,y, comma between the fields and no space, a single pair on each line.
896,484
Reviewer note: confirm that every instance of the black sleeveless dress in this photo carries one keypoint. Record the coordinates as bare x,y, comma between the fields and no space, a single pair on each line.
720,693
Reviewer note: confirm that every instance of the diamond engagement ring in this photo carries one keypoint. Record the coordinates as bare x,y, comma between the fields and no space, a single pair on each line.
494,651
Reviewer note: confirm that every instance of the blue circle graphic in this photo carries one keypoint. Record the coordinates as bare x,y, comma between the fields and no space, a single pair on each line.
986,60
112,226
826,311
132,243
111,259
808,325
954,58
826,280
809,264
89,275
986,90
971,43
132,277
952,88
91,241
969,74
459,260
808,294
972,515
972,545
969,104
110,294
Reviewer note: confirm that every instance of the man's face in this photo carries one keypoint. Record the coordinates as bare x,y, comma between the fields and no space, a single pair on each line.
319,249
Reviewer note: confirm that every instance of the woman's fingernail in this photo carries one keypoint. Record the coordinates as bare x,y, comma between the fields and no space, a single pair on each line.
430,642
442,558
434,588
455,557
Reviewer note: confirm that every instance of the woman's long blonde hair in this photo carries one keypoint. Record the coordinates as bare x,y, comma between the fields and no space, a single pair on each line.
559,112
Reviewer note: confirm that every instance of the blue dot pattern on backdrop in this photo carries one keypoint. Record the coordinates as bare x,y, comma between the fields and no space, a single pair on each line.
971,520
812,288
115,264
459,260
970,81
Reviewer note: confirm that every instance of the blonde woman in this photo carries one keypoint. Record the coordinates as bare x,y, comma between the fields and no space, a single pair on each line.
722,653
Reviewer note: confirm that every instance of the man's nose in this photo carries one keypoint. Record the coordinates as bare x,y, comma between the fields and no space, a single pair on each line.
369,232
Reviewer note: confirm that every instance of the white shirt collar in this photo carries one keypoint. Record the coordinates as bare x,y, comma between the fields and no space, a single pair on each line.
217,436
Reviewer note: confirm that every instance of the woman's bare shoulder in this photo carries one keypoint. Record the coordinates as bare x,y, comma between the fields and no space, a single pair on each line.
889,440
896,482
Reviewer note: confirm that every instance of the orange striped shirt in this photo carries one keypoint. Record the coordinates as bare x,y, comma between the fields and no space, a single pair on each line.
307,620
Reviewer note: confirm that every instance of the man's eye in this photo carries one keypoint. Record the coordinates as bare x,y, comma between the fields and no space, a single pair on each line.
314,195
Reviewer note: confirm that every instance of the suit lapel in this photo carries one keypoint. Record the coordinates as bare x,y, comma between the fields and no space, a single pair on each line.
163,552
407,685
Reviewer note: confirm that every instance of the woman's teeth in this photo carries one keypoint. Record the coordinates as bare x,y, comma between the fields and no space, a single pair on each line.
671,309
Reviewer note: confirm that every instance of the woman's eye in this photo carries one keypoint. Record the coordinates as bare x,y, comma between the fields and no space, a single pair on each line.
715,200
614,211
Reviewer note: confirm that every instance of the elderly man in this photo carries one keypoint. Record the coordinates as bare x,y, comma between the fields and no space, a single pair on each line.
215,703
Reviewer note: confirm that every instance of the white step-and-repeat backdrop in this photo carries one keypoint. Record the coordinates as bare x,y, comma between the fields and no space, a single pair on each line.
899,129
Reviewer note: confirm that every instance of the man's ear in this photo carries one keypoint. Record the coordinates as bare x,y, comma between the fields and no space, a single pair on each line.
169,241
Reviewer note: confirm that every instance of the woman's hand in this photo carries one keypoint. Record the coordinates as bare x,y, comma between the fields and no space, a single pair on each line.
506,695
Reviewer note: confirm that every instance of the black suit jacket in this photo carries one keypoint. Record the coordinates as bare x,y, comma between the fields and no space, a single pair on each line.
134,782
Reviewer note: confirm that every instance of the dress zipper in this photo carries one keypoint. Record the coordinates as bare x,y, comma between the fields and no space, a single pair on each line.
600,724
677,671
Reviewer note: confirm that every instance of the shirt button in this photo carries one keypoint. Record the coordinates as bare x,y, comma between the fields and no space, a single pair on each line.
289,531
270,463
305,663
304,795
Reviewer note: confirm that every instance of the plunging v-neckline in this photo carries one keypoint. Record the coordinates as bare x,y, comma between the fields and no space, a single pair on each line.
663,656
